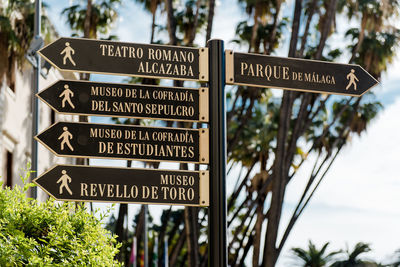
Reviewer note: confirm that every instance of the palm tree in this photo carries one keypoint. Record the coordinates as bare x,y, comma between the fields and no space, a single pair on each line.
372,15
16,34
259,10
353,257
264,35
314,257
93,18
265,16
376,51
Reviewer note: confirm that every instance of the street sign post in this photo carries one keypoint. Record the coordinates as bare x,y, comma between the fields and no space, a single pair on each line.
199,146
297,74
217,226
132,59
127,100
83,140
126,185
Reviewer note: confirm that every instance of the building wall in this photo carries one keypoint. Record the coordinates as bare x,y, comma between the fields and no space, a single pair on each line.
16,126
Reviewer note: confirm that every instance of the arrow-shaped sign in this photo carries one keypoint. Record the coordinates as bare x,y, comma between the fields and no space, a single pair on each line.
70,139
126,185
297,74
127,100
132,59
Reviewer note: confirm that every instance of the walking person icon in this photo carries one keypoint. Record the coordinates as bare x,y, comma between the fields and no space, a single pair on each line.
66,136
68,51
353,78
64,180
67,94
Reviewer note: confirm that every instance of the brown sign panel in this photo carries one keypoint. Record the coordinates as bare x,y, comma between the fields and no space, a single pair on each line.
297,74
70,139
132,59
127,100
126,185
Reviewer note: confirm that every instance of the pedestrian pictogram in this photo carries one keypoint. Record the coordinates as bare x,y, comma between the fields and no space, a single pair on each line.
353,78
68,51
66,96
65,137
64,180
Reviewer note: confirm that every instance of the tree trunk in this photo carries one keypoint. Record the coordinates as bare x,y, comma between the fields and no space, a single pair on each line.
307,28
326,30
360,38
278,185
153,26
87,23
171,23
274,27
210,19
178,246
162,234
191,229
255,29
257,236
193,31
279,173
119,226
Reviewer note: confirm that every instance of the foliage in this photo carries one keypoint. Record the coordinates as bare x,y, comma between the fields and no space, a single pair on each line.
16,34
353,257
50,233
314,257
101,18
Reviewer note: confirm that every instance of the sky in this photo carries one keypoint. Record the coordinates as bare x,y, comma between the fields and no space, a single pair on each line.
359,198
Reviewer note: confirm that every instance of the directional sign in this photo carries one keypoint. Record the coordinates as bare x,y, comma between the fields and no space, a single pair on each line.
126,185
297,74
127,100
69,139
142,60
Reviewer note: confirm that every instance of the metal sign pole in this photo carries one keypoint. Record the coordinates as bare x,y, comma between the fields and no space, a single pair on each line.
145,237
35,104
217,211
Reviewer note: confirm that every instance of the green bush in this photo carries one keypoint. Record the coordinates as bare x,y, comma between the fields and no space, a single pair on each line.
50,233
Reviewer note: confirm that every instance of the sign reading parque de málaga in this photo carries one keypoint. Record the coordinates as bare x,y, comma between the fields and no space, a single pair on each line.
127,100
71,139
132,59
126,185
297,74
